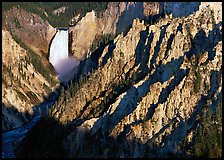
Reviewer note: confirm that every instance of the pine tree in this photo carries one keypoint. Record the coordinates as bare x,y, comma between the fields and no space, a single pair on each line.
219,113
62,96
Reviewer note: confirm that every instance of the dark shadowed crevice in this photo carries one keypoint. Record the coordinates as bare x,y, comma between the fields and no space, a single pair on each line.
127,16
108,55
169,42
158,45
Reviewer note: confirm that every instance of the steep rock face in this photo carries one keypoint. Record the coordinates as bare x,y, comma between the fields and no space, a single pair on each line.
30,28
14,56
28,77
152,8
146,91
216,7
116,18
119,16
83,35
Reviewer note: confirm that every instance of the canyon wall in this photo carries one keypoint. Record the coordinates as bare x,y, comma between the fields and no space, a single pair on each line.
119,16
148,90
116,19
28,77
30,28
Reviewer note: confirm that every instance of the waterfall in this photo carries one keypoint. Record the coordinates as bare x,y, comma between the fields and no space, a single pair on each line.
59,47
64,65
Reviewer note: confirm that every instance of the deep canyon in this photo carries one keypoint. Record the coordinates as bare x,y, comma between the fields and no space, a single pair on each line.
120,80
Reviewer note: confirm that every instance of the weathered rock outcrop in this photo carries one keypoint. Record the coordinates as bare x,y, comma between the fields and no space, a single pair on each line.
116,18
28,77
119,16
30,28
146,91
83,35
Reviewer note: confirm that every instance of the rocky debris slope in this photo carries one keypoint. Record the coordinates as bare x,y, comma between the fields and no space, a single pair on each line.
148,89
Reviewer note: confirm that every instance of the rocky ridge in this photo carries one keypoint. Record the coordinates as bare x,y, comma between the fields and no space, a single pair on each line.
161,64
136,94
119,16
116,18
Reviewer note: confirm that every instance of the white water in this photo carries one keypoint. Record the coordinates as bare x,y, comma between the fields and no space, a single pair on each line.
59,57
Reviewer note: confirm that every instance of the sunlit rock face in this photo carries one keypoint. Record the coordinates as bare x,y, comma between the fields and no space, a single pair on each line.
59,57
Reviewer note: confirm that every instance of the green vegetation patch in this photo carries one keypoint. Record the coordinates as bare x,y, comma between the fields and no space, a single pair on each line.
45,10
101,41
16,21
207,139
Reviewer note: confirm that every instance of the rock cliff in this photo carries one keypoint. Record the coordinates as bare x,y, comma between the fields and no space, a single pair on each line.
30,28
148,88
28,77
119,16
140,95
116,19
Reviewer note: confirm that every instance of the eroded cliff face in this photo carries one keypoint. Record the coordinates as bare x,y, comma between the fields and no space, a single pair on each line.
148,90
83,35
30,28
119,16
116,19
27,75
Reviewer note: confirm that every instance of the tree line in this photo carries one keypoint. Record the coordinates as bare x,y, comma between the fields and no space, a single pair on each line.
62,20
207,138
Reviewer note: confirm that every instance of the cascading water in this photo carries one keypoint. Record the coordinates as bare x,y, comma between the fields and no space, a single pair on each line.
59,47
59,57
